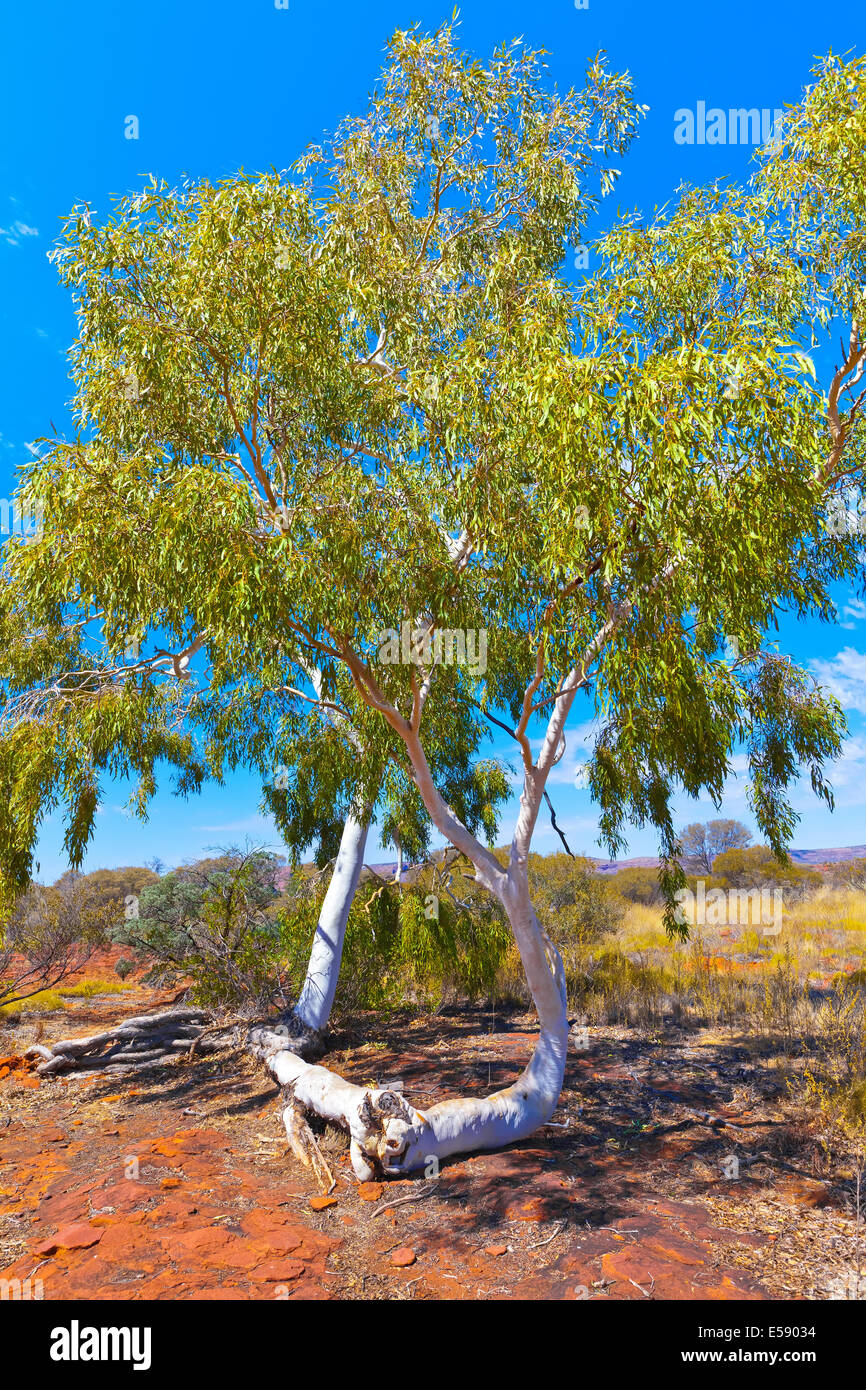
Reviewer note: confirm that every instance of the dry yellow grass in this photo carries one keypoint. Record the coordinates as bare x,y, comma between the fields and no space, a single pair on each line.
733,975
45,1002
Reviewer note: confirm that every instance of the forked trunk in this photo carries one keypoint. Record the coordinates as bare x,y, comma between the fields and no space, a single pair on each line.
388,1135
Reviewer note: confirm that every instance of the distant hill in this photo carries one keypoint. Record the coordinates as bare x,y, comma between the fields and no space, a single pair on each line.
613,866
828,856
814,858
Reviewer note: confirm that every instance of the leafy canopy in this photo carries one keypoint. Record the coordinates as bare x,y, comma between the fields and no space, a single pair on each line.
312,408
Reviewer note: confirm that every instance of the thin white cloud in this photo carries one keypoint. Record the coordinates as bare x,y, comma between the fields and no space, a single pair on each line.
850,769
844,677
854,611
17,231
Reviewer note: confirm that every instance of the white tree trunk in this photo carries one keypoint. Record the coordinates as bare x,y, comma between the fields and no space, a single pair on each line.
388,1135
316,999
398,877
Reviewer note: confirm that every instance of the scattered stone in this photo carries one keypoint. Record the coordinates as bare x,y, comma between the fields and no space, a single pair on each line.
370,1191
404,1257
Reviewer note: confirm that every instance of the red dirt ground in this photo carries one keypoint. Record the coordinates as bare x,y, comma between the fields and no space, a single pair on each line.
179,1185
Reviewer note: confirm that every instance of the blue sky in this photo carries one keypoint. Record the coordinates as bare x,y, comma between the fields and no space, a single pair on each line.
233,84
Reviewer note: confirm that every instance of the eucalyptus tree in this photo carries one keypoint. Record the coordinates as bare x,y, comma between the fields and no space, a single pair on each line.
221,444
639,488
368,411
132,636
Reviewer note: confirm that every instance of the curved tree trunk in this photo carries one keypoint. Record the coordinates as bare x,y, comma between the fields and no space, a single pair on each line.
316,999
388,1135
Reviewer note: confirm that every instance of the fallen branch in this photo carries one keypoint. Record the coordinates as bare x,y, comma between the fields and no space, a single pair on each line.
647,1293
136,1040
536,1244
399,1202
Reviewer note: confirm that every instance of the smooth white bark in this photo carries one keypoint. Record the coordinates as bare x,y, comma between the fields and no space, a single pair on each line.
316,999
388,1135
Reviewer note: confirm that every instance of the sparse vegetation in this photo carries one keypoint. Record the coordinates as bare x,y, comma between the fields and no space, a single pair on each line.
87,989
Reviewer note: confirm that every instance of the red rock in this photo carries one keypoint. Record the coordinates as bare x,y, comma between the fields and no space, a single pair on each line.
126,1192
403,1257
370,1191
536,1209
308,1292
278,1271
259,1223
320,1203
239,1253
736,1289
63,1209
802,1192
672,1247
634,1265
126,1244
78,1236
20,1063
206,1240
223,1293
496,1250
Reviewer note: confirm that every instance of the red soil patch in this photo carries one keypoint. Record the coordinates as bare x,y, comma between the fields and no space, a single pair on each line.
181,1185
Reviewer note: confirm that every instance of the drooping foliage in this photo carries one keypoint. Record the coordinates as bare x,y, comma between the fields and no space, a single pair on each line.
315,407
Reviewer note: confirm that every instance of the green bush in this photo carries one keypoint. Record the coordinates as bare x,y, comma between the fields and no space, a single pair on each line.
638,885
396,952
212,922
574,904
756,867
